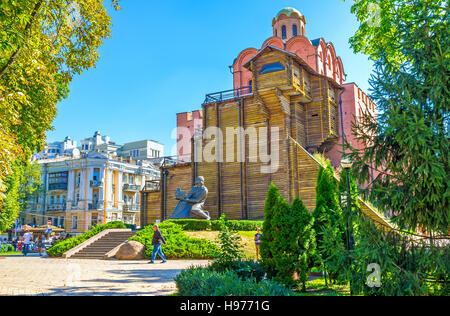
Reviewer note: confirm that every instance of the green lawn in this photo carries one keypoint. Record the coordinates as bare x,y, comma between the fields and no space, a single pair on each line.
317,287
10,253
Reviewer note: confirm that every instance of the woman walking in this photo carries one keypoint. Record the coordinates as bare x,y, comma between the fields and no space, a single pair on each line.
40,244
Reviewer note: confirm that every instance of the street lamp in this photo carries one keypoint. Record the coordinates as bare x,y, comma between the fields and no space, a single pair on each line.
346,164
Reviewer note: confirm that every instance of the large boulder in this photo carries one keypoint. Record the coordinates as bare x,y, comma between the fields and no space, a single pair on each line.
132,250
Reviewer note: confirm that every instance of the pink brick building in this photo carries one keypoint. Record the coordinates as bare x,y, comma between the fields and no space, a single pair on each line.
354,103
189,125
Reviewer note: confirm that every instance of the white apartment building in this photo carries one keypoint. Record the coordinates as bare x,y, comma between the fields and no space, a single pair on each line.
98,183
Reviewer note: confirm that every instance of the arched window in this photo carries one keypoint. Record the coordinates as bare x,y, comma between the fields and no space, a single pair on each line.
283,32
269,68
294,30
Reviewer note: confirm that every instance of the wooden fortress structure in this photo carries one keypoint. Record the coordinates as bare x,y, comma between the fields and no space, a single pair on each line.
282,91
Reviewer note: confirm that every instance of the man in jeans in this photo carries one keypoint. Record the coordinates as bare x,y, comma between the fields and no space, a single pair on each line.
157,241
26,243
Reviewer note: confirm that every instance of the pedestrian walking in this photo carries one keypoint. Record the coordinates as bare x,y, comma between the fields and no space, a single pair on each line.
40,244
257,242
26,242
157,241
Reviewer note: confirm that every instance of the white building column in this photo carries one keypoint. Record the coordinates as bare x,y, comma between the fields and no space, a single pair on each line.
70,188
89,189
101,191
120,188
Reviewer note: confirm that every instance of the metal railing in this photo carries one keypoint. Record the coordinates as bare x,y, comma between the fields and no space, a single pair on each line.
95,183
131,207
56,207
131,187
227,94
152,185
57,187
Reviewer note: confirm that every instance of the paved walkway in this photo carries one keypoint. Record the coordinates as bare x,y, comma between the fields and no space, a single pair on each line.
33,275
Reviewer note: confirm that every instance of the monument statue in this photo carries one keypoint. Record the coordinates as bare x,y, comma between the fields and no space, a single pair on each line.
191,205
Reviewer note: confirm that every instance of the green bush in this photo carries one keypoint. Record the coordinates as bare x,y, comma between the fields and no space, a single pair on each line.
201,224
245,269
197,281
191,224
58,249
239,225
179,246
7,248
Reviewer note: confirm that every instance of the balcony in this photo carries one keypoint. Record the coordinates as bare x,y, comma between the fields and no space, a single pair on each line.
152,185
93,206
227,95
131,187
56,208
131,208
95,183
57,187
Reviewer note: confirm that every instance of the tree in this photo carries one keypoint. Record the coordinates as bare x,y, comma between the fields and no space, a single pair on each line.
43,44
266,246
288,245
229,243
327,214
21,184
408,143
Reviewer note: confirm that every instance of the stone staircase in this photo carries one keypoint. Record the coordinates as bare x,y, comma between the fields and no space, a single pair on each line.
102,246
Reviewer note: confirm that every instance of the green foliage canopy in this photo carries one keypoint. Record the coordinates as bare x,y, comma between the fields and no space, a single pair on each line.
43,44
406,147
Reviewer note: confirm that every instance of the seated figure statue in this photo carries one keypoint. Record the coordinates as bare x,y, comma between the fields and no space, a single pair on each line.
191,206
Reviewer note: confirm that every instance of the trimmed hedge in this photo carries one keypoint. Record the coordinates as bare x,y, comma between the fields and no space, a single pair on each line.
201,224
58,249
197,281
179,246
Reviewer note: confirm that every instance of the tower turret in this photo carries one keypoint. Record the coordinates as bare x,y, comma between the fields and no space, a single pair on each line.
289,23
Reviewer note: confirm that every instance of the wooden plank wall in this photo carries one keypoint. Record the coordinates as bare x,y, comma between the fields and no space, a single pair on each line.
179,176
209,170
231,197
152,207
256,182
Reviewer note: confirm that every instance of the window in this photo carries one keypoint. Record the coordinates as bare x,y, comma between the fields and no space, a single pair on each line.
74,222
275,67
58,181
96,176
283,32
250,84
294,30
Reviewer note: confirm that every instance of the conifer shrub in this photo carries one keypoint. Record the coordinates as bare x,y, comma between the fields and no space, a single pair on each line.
58,249
288,247
266,246
294,242
327,212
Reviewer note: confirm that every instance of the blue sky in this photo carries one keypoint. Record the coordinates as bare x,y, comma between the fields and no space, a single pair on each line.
164,56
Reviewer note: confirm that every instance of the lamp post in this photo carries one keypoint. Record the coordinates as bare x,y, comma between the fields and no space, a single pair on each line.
346,164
